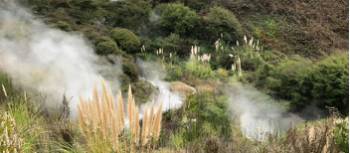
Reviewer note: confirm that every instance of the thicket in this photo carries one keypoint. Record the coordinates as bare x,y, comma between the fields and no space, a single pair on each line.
305,83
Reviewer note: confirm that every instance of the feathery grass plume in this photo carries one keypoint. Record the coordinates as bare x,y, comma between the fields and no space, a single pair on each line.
10,142
4,90
145,122
157,123
239,67
101,120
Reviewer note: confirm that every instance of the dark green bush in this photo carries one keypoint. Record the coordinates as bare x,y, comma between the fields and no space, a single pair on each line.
131,69
222,22
304,83
131,14
330,84
63,26
106,45
177,18
126,39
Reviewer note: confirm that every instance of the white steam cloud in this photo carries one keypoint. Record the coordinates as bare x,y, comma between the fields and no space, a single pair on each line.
46,60
259,115
154,73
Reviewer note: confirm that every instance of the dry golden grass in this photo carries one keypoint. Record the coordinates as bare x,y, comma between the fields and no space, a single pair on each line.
102,123
10,141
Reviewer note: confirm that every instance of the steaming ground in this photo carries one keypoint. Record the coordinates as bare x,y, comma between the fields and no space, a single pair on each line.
154,73
258,115
50,61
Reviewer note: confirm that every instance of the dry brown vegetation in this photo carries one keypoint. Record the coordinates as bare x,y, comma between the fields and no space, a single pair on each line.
102,122
306,27
10,141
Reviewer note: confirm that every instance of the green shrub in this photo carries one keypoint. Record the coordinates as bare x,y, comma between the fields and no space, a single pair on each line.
63,26
131,69
330,84
222,22
193,68
131,14
177,18
174,72
287,81
208,116
106,45
126,39
305,83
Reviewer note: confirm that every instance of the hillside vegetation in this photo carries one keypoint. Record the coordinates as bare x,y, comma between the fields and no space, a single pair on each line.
293,51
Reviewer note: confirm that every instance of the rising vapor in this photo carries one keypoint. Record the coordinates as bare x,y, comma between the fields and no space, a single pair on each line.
45,60
258,114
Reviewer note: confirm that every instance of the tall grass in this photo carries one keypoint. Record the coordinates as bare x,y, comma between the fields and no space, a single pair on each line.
10,141
102,121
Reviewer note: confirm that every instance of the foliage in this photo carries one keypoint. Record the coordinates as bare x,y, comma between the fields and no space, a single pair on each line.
341,134
194,68
102,123
305,83
222,23
207,116
126,39
130,69
131,14
177,18
10,140
330,84
106,45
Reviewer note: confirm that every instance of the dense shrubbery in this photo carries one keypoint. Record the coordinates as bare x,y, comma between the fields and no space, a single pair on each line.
198,70
306,83
205,115
222,23
131,14
106,45
126,39
177,18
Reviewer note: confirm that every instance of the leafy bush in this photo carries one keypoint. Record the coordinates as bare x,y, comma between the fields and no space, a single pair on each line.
305,83
194,68
106,46
131,14
221,22
130,69
177,18
126,39
330,84
174,72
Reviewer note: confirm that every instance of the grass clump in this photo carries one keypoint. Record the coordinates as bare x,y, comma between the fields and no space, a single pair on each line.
10,140
102,123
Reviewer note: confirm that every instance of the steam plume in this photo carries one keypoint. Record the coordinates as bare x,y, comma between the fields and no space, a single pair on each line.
154,74
43,59
259,115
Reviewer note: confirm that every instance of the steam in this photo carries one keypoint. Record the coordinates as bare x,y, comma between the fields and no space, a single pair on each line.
46,60
154,73
259,115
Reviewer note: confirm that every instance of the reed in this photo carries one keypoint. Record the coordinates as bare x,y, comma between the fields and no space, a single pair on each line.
102,121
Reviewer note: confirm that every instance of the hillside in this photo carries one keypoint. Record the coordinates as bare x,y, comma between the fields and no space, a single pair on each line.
174,76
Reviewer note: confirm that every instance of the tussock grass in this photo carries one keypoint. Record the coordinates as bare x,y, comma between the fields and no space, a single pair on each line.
102,121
